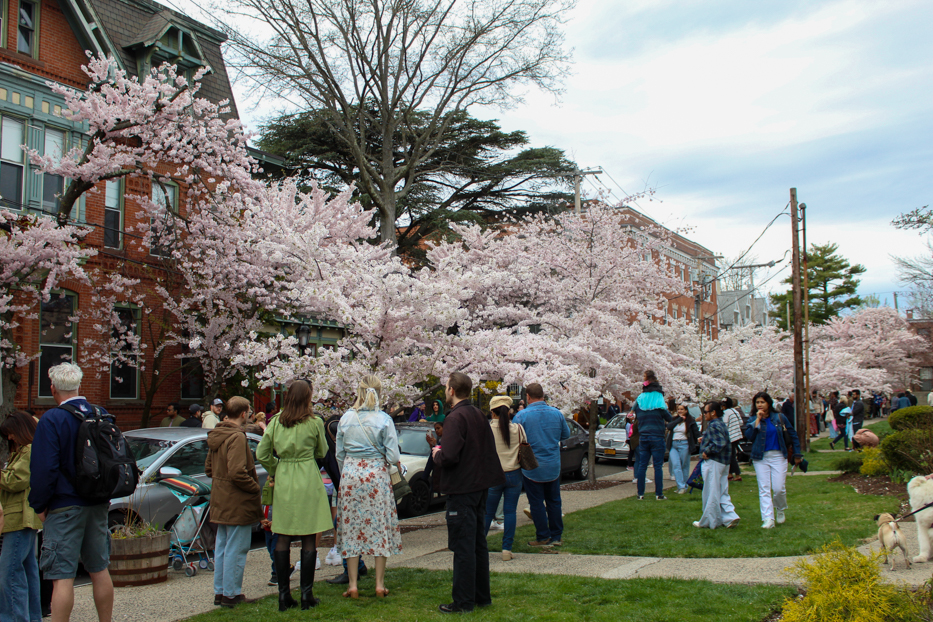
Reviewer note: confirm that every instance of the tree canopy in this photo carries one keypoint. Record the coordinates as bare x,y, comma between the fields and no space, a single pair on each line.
833,283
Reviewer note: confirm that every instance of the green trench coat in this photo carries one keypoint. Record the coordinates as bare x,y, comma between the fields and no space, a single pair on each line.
299,504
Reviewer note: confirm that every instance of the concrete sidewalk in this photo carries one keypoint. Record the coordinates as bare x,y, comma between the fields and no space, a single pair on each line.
425,546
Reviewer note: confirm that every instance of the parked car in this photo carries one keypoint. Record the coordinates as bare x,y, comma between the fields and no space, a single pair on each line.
179,451
414,450
612,440
574,458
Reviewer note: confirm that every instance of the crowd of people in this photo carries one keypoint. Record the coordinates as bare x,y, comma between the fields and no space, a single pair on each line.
337,472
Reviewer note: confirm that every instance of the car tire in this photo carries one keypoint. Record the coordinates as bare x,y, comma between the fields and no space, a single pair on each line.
583,471
419,501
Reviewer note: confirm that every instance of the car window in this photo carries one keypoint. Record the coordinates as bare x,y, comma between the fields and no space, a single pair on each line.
575,428
618,421
189,459
412,442
253,445
147,450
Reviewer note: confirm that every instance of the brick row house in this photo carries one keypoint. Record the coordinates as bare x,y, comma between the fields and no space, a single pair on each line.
45,40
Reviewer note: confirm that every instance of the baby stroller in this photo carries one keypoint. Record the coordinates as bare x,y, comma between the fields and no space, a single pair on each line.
187,549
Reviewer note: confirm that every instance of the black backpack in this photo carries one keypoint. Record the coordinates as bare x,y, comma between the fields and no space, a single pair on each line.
104,465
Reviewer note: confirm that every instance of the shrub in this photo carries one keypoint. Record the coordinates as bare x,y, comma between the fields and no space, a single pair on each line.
842,584
909,450
912,417
873,462
848,463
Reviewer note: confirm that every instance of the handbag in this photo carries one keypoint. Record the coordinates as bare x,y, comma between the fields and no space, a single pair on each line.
400,486
267,492
526,456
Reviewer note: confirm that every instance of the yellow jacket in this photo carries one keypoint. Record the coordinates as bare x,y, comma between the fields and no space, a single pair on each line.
14,493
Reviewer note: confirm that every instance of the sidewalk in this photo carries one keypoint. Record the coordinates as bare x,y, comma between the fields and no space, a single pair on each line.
425,546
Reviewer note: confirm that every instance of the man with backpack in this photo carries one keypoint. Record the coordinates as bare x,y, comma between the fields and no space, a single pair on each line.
75,527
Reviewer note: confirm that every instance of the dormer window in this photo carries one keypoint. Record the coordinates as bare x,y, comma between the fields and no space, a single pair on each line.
164,41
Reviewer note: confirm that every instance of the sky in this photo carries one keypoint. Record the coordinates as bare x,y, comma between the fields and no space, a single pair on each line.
722,106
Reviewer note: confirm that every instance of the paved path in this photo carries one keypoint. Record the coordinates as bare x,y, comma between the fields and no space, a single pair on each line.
426,547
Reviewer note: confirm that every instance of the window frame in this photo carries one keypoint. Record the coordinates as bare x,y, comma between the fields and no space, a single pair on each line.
20,203
154,251
44,344
56,202
136,315
121,207
34,52
4,19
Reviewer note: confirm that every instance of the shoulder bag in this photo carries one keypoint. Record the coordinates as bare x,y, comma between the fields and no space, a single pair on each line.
400,485
526,456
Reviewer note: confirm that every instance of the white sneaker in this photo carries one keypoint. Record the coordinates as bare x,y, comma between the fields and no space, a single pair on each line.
696,524
648,481
317,562
497,525
779,517
295,569
333,558
681,491
768,524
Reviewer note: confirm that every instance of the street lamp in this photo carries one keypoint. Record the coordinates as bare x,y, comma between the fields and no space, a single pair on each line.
303,333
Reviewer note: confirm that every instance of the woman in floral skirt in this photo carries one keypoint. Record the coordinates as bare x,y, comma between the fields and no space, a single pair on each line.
367,519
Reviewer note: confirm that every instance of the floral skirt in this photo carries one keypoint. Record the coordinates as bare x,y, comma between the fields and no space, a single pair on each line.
367,518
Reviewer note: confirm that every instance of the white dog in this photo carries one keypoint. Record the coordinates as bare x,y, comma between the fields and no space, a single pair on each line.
920,490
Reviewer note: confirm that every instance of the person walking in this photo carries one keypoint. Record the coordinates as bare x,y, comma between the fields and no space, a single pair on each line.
19,570
767,431
508,437
545,428
73,527
468,466
715,450
858,416
837,406
367,517
735,422
681,444
290,448
235,500
652,416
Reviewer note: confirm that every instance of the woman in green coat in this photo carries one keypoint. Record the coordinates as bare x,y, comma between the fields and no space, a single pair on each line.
19,570
293,442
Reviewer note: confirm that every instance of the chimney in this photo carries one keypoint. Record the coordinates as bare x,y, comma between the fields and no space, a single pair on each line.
910,314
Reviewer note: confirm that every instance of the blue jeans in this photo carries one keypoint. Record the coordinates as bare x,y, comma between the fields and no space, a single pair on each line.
680,462
19,578
510,492
650,448
230,549
271,540
544,500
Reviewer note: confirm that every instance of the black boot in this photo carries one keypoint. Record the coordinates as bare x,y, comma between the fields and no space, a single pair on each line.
283,573
308,561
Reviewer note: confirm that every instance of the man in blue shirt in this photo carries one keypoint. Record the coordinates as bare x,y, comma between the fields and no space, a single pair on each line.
545,428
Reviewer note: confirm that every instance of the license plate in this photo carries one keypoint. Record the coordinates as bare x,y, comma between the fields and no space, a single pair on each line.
610,452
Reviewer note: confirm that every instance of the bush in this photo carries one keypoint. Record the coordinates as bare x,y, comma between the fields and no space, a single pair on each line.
842,584
848,463
873,462
912,417
909,450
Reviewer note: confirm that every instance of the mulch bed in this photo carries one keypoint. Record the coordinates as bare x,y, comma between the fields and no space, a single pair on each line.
599,485
880,485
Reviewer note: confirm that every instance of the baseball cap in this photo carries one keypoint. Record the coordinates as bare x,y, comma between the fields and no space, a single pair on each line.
217,402
194,408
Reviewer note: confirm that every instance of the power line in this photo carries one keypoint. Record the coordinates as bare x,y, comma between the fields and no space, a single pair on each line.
760,235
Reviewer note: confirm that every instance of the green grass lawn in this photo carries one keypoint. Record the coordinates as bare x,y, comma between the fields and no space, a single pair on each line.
415,595
819,511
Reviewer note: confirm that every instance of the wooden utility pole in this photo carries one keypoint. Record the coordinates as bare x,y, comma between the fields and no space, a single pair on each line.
806,313
800,405
578,176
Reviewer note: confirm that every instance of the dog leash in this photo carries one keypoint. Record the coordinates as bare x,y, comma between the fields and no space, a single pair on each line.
928,505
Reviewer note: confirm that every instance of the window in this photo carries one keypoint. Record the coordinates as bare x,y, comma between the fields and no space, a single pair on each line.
192,376
189,459
163,233
113,214
926,378
52,185
28,16
56,336
124,375
11,162
735,317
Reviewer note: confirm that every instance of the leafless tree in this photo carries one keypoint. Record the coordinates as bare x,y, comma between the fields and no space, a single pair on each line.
917,274
737,278
373,63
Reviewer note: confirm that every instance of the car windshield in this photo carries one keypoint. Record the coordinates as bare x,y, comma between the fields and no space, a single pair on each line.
147,450
411,441
616,422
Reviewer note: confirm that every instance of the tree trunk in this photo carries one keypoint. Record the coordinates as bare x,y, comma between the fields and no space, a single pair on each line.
591,446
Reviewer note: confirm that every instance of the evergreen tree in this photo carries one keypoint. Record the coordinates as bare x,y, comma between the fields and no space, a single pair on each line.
833,282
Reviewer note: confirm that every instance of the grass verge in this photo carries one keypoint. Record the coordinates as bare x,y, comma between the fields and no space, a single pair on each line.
819,511
417,593
822,459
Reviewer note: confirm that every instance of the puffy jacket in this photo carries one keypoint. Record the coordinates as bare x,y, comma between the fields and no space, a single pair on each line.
235,488
14,492
651,412
758,440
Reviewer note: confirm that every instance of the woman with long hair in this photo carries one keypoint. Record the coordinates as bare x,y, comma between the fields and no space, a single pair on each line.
767,430
293,443
367,518
715,451
508,437
681,444
19,570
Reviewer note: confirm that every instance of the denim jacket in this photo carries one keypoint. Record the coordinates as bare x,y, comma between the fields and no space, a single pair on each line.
758,440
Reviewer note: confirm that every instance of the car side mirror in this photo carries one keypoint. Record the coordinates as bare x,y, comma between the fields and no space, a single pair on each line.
166,472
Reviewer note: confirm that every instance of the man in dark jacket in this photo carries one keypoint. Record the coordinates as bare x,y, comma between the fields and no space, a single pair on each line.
651,414
858,415
73,527
468,466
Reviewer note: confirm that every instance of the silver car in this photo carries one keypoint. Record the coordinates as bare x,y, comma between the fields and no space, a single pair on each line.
612,440
179,451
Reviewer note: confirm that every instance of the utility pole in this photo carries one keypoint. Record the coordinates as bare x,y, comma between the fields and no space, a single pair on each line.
578,176
806,313
895,301
800,407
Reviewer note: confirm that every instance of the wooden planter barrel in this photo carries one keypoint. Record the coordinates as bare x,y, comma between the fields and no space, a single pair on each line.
139,561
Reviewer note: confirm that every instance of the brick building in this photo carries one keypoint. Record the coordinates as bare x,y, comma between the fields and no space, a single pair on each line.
45,40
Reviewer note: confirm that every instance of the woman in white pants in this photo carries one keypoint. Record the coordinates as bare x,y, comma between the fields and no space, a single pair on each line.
715,449
770,456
